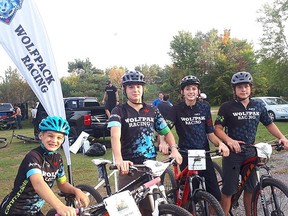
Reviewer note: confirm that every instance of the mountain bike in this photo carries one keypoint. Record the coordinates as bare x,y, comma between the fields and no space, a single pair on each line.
150,170
270,196
194,197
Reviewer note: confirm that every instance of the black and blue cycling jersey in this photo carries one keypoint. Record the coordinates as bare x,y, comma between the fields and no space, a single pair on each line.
23,200
192,124
137,130
241,123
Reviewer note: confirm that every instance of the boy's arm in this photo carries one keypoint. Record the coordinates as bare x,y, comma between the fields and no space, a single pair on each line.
274,130
44,191
174,151
123,166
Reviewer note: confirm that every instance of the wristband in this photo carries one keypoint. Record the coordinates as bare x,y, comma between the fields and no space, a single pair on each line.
174,146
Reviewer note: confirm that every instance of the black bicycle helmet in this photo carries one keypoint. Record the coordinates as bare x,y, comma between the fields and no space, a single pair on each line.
55,123
133,78
189,80
241,77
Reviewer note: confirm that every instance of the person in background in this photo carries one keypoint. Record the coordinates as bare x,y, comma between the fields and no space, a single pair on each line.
18,116
132,126
33,114
240,118
110,98
38,171
164,106
159,99
193,123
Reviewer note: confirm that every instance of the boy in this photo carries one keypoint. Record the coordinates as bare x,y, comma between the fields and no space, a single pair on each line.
40,168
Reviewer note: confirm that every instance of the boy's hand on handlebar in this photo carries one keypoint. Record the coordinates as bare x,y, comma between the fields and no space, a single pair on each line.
234,145
66,210
284,141
224,150
175,154
81,198
123,166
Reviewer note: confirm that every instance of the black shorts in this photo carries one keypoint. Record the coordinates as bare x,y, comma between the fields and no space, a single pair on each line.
231,169
110,105
209,175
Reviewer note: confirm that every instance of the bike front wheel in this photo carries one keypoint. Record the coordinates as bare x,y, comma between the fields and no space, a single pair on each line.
170,184
172,210
275,196
205,204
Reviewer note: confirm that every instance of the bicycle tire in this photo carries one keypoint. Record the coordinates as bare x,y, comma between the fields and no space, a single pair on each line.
172,210
93,194
281,193
170,185
3,142
203,198
219,173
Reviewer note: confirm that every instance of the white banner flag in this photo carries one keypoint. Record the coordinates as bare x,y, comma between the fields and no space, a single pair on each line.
24,38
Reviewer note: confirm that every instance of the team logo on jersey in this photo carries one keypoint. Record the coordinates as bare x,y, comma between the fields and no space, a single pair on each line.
8,9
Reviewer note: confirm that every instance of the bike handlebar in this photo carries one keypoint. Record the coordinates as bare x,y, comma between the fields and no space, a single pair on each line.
77,212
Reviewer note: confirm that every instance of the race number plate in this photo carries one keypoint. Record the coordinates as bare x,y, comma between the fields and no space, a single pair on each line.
196,160
121,204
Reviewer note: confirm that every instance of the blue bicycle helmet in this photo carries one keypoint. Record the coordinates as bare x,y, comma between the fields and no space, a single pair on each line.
55,123
241,77
189,80
133,78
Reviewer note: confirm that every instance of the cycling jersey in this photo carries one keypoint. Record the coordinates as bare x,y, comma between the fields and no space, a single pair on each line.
23,200
137,130
241,123
192,125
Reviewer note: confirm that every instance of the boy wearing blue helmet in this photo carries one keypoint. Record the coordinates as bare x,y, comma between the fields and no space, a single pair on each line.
37,173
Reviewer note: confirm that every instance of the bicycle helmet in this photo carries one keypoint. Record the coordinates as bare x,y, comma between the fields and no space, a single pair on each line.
241,77
55,123
189,80
132,78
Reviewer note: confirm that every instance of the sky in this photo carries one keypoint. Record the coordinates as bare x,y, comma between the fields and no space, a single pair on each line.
135,32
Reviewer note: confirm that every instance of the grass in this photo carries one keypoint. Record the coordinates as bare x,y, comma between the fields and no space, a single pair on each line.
83,170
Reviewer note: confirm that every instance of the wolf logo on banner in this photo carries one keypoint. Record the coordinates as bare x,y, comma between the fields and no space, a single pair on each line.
8,8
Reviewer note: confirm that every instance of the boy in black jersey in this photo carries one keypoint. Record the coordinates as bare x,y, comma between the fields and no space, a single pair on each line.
132,126
40,168
193,122
240,118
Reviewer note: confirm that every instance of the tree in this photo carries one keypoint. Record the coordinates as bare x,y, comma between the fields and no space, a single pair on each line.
14,89
274,47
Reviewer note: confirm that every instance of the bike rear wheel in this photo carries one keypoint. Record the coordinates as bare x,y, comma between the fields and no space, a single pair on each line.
205,204
276,198
172,210
3,142
169,182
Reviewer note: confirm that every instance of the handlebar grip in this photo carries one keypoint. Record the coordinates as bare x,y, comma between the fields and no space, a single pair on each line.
77,212
152,182
113,167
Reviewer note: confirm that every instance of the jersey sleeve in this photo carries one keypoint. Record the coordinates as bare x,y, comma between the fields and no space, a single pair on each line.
160,126
115,118
220,118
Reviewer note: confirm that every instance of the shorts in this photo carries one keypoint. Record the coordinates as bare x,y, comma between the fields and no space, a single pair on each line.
209,175
231,166
109,106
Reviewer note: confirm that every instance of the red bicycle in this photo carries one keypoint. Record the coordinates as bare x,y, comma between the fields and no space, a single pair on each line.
195,199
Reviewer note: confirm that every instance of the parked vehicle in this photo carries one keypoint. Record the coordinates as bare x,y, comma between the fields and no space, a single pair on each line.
6,110
83,114
276,106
